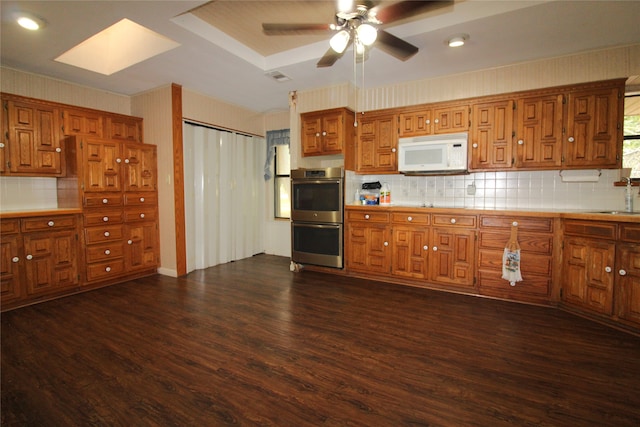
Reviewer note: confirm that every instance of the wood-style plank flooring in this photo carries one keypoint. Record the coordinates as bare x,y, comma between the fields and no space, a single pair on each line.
250,343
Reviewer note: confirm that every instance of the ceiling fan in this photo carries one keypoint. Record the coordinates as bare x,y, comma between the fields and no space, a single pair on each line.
359,22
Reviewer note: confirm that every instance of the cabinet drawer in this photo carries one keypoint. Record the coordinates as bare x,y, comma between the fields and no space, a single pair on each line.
630,233
529,263
102,201
543,225
604,230
492,283
369,216
139,214
529,243
105,270
8,226
48,223
454,220
104,252
140,199
103,234
103,217
410,218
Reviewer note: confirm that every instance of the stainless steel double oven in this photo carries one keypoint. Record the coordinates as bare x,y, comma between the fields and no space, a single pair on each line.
317,207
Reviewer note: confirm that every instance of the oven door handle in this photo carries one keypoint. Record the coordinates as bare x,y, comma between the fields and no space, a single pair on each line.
312,225
316,181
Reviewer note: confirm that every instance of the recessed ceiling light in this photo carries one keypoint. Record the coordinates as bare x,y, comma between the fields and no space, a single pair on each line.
29,21
457,40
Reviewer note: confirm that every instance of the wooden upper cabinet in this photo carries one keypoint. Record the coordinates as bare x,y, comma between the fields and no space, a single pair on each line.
124,128
451,119
102,161
491,135
34,139
376,149
79,122
4,138
538,132
326,132
140,167
434,119
415,123
594,127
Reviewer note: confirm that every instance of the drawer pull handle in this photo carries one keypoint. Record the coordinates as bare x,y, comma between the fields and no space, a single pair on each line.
51,223
453,220
129,242
108,269
409,219
15,259
366,216
141,199
435,249
105,218
607,269
107,234
514,223
105,201
622,272
141,215
107,252
29,257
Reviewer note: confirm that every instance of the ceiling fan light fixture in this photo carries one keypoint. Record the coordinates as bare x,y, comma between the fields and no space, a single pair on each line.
29,21
339,41
367,34
457,40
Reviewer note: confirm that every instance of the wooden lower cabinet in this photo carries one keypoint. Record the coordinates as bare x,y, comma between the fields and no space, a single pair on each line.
40,258
627,284
368,248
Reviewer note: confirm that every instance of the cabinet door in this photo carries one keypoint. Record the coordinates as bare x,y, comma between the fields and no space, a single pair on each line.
491,135
377,145
102,162
140,167
539,132
10,274
142,250
415,123
311,135
594,128
75,122
124,128
410,252
451,119
51,261
368,248
34,139
588,274
332,133
4,137
628,283
451,260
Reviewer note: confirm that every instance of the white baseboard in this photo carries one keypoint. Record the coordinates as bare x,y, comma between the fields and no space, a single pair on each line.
168,272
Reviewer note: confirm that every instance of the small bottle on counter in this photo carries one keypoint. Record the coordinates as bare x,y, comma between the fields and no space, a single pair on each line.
385,194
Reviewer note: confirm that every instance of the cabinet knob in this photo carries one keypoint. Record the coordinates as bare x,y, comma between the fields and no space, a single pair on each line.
409,218
51,223
571,139
324,133
107,234
141,199
393,150
622,272
118,160
129,242
126,161
105,218
29,257
107,252
435,249
15,259
366,216
1,144
520,142
474,145
453,220
108,269
425,247
317,133
142,215
436,121
105,201
58,150
386,243
428,121
607,269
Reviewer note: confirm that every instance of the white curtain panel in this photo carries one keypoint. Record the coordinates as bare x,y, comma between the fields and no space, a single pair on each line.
224,196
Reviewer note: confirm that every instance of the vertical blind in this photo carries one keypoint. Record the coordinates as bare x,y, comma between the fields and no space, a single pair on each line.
224,195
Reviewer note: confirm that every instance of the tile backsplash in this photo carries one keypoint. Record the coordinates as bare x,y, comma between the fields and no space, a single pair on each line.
498,190
27,193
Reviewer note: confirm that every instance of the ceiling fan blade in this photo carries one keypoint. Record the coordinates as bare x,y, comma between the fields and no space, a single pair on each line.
395,46
330,57
405,9
288,29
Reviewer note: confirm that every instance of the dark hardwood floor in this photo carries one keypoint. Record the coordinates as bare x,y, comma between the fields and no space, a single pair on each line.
250,343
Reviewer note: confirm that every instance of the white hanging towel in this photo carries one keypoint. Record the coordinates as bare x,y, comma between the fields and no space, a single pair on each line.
511,258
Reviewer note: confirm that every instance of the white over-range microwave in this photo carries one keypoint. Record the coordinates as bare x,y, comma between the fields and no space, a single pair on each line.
433,154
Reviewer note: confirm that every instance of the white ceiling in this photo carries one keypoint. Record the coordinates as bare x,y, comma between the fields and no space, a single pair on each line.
214,63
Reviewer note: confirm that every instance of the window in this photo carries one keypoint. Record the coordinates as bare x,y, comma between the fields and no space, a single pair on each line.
282,189
631,144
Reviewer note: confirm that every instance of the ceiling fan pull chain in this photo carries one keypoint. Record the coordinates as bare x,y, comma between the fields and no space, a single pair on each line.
355,85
